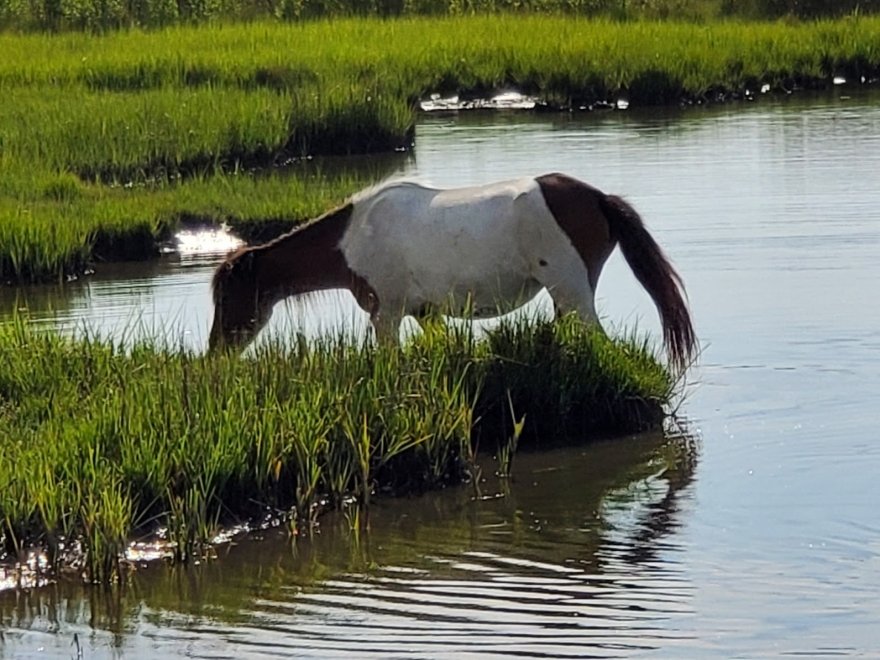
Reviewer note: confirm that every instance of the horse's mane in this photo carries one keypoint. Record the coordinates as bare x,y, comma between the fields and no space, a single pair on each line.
225,271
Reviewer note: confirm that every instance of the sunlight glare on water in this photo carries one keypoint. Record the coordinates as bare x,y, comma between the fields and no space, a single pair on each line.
205,241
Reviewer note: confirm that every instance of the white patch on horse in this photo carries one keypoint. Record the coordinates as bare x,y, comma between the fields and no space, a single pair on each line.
476,249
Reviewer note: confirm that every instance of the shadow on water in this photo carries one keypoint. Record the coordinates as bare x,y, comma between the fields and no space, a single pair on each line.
575,555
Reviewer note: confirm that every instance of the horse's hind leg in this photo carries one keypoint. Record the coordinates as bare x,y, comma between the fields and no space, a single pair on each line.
581,302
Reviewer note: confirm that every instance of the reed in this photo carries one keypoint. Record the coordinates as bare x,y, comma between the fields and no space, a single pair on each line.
263,68
133,104
103,443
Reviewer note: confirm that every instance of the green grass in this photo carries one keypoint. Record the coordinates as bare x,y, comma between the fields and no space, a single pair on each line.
357,61
173,112
59,225
101,443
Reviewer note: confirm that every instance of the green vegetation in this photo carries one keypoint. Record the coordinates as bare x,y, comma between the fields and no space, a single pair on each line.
101,443
106,142
109,14
57,225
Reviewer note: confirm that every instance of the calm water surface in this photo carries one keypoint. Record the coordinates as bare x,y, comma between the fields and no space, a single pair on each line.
757,536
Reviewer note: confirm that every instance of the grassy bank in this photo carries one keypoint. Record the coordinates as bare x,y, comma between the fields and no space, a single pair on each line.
83,113
101,443
56,225
619,479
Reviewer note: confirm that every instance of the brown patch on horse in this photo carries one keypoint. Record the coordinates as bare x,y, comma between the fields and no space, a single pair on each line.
231,268
595,223
307,258
576,208
364,294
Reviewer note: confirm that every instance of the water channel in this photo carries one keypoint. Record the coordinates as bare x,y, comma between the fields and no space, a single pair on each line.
757,534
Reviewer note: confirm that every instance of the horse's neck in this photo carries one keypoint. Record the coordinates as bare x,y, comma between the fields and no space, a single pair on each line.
303,261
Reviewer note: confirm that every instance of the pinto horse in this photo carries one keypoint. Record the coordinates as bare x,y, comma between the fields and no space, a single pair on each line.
406,249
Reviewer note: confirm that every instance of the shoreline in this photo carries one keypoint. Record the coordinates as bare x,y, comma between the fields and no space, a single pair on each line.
105,443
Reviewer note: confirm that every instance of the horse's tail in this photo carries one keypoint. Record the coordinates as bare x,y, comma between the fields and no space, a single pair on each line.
660,279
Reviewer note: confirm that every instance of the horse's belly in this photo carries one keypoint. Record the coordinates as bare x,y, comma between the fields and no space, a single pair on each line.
479,299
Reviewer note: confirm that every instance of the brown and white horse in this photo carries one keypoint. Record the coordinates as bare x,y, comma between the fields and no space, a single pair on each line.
406,249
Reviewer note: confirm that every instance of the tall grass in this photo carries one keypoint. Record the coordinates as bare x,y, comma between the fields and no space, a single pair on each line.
131,136
101,443
133,103
342,55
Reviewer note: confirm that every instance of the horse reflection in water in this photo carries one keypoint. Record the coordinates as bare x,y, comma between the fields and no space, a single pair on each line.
406,249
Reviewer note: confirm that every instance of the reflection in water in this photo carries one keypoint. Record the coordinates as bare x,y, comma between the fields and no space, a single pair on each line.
575,555
205,241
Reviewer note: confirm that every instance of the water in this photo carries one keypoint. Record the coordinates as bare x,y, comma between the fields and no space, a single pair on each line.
758,538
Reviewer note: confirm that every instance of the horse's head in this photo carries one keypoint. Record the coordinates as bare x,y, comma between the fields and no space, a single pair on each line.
240,311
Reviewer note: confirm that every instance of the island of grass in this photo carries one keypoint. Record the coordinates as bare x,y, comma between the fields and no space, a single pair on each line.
109,141
104,444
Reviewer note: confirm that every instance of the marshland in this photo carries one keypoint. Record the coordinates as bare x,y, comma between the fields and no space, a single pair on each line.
110,140
120,429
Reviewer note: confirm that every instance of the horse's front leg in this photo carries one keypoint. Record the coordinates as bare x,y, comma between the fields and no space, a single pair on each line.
385,316
386,325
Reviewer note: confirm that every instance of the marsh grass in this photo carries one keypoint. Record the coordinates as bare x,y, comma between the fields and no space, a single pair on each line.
47,235
103,444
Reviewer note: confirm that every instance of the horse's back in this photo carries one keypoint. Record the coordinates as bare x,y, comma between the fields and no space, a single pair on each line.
406,220
427,243
414,214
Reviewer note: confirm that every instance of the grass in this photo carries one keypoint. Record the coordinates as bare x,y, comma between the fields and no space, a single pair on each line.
61,225
109,140
103,443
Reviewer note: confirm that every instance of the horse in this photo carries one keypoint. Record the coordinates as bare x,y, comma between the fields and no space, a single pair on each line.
403,248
